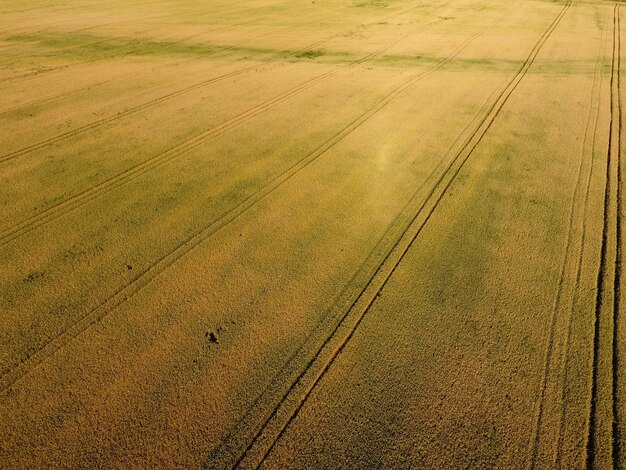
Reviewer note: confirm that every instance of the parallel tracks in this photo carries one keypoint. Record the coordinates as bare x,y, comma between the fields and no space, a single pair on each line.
134,109
579,273
62,96
129,49
292,401
608,279
12,373
83,197
603,440
135,75
557,359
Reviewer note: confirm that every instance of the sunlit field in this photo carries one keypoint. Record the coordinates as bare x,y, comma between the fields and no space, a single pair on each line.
312,234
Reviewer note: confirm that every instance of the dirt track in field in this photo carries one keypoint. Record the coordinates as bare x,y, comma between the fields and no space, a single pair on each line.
318,234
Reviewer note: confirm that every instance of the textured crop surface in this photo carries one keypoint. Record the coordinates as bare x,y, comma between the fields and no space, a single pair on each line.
312,234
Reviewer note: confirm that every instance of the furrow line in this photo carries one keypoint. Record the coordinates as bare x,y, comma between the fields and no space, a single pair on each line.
302,387
141,107
227,449
136,75
26,364
577,193
595,98
617,451
605,299
73,202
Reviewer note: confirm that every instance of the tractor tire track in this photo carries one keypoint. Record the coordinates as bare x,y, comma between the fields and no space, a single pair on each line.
138,75
130,49
607,278
222,50
133,110
585,204
24,365
56,98
88,127
300,390
31,73
105,16
617,437
73,202
577,193
101,25
150,71
345,299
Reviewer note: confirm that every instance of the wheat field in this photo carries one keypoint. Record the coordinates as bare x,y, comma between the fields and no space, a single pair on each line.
312,234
